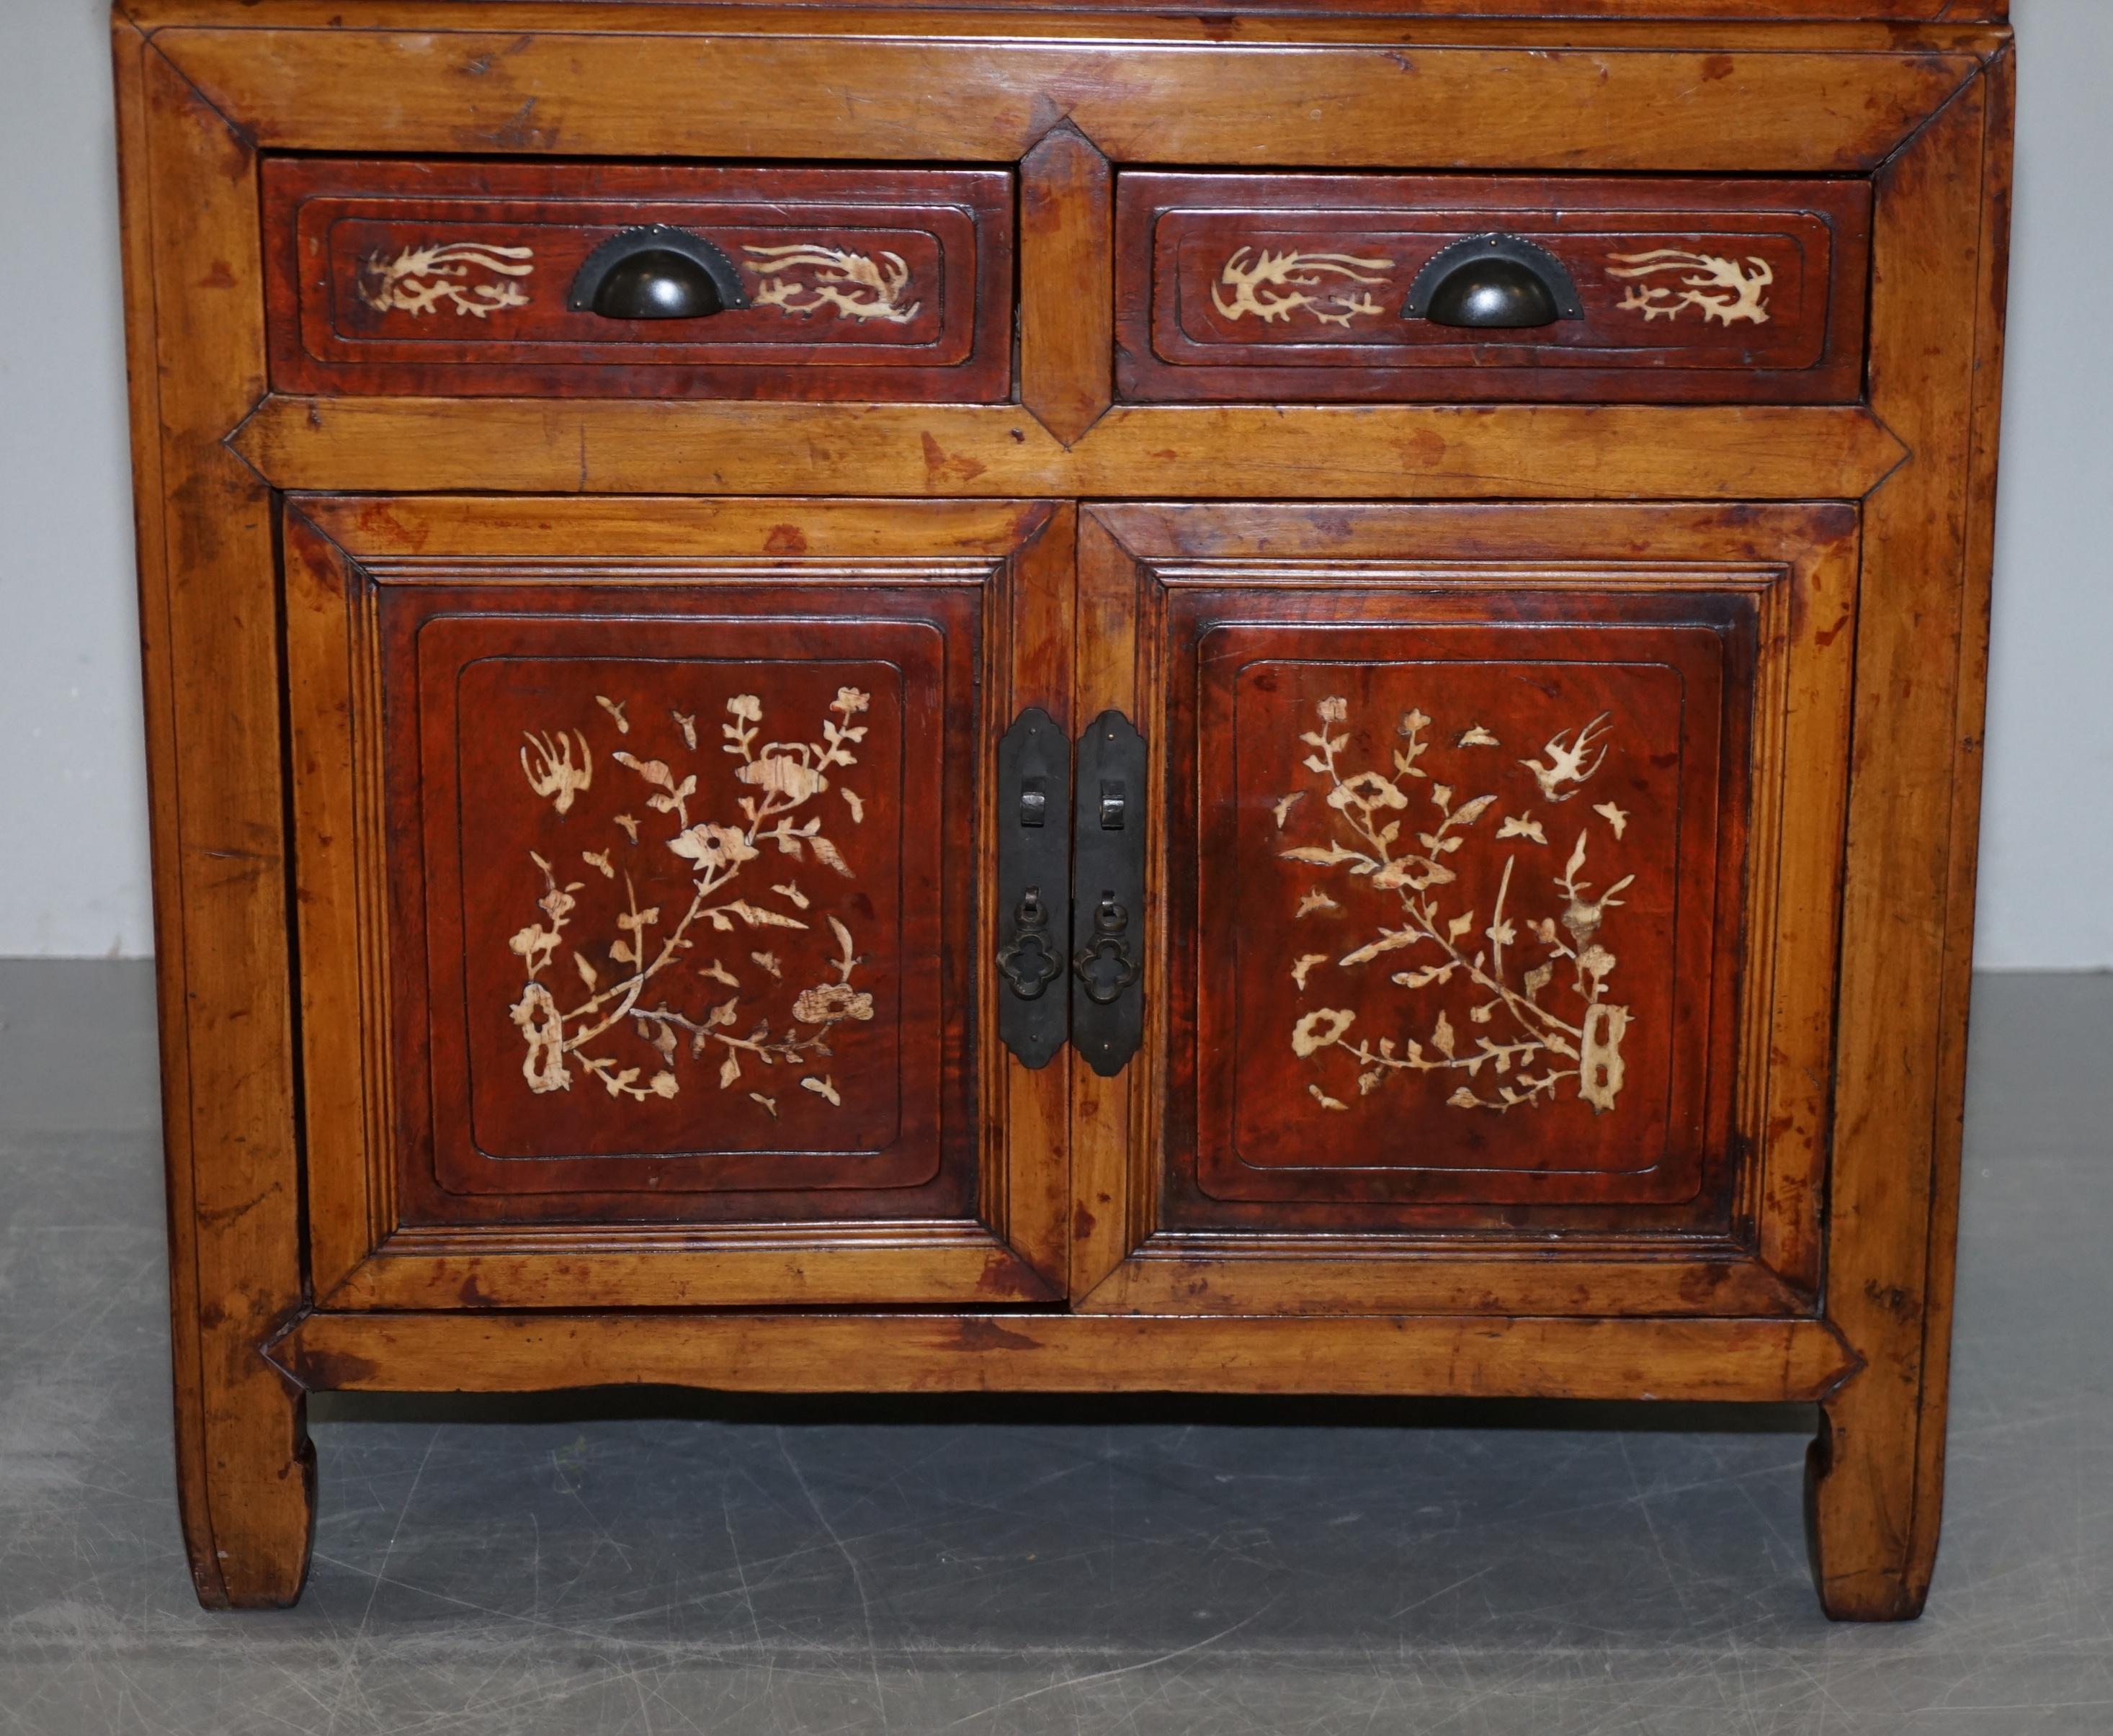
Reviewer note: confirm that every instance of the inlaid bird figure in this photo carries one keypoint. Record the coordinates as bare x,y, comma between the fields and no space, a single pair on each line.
1567,764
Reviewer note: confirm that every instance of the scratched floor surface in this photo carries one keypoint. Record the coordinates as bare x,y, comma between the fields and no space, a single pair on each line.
676,1564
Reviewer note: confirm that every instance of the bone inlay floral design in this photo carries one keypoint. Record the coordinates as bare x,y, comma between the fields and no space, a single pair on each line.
807,278
1274,287
1723,289
608,1023
1542,1025
420,279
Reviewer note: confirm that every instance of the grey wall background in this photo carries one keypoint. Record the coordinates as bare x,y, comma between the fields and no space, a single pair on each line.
73,843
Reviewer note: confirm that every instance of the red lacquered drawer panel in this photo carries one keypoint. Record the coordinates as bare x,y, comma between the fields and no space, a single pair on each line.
449,279
1278,287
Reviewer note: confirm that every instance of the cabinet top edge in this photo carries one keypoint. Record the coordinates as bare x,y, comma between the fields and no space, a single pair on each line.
1263,21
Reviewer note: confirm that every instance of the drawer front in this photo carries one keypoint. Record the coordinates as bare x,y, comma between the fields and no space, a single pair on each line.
1299,286
454,279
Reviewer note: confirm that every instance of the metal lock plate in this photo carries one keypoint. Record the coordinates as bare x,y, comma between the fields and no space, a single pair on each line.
1033,886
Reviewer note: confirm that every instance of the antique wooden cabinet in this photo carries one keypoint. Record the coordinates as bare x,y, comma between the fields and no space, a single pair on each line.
1281,701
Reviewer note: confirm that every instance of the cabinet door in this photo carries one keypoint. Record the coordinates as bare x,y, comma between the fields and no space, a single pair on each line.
641,847
1490,958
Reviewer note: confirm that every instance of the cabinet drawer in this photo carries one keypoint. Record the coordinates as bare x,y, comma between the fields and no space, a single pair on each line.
444,280
1311,286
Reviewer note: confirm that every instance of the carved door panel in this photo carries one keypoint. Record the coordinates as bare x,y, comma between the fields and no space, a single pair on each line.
1495,862
642,880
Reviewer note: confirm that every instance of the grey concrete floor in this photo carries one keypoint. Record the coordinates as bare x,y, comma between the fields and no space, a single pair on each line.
677,1563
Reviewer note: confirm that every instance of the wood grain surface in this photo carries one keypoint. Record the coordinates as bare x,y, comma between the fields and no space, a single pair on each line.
1066,309
1220,452
1334,104
857,15
1877,1472
208,624
1761,1361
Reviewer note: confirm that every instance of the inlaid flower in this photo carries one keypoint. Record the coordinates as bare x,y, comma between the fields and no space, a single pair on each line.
1319,1029
712,847
746,706
831,1001
1369,789
850,701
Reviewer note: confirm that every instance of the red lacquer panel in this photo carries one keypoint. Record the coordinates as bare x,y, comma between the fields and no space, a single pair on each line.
1454,901
1295,285
454,278
681,881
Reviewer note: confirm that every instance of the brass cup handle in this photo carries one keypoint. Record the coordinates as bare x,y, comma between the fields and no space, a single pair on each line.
1494,282
658,272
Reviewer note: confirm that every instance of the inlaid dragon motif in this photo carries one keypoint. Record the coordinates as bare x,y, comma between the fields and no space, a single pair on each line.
1723,288
1274,287
419,279
859,285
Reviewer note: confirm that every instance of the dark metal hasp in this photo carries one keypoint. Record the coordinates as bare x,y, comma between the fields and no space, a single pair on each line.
1034,912
1107,909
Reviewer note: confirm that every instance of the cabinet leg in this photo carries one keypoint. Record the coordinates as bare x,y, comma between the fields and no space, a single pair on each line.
1873,1493
246,1474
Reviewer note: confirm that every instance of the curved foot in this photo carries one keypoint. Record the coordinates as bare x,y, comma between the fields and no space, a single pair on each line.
246,1472
1870,1519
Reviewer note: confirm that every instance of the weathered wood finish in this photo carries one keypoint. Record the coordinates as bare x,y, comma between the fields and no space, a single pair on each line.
1336,103
1301,17
209,626
1209,451
1878,1470
346,564
1067,306
1695,1359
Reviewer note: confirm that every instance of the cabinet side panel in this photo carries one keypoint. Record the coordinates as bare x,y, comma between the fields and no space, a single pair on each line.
1878,1471
209,620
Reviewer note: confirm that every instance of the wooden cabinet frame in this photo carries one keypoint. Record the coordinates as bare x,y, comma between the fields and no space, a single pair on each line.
1921,106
